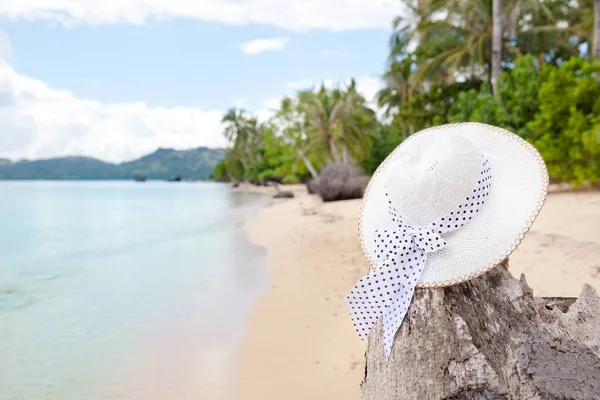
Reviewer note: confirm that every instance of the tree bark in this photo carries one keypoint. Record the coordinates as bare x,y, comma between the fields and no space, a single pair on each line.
489,338
345,155
496,42
334,151
596,38
307,163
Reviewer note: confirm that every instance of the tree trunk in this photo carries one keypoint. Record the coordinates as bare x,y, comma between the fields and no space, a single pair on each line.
345,157
496,42
334,151
249,153
489,338
596,39
307,163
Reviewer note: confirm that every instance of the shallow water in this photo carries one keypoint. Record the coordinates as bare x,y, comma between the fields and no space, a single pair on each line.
123,290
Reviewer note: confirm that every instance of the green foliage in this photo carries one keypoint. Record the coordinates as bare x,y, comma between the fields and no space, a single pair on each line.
420,109
556,110
517,99
514,105
439,71
475,106
385,142
307,132
566,128
220,172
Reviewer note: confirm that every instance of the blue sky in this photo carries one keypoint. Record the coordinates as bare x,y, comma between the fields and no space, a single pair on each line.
115,80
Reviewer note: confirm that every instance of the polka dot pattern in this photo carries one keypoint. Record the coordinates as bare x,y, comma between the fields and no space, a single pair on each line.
401,252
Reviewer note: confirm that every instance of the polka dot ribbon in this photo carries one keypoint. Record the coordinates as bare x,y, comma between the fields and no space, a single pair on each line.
401,253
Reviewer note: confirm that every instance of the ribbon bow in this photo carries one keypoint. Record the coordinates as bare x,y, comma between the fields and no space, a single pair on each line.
401,253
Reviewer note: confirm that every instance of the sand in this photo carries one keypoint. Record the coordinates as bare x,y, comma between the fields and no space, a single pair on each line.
301,343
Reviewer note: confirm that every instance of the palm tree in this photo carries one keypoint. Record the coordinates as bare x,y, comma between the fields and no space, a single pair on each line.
243,133
467,38
496,42
291,126
399,84
596,35
337,117
322,110
357,126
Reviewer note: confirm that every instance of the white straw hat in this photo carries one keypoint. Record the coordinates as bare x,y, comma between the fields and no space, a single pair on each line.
432,171
445,206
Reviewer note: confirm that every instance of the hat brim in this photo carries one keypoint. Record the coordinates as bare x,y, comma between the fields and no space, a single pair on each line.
519,189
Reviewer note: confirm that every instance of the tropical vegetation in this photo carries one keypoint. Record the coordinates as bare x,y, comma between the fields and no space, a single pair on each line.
530,66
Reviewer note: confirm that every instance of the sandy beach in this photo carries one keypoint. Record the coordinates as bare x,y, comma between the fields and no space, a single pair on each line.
300,341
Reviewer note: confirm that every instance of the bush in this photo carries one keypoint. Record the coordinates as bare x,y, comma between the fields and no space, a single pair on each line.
555,109
341,182
566,130
515,104
291,178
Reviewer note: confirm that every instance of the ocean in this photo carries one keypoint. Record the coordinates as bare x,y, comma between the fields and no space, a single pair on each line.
124,290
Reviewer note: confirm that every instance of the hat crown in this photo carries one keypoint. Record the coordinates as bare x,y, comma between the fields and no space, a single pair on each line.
433,177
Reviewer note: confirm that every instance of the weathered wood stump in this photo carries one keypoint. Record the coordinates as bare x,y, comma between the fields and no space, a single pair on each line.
489,338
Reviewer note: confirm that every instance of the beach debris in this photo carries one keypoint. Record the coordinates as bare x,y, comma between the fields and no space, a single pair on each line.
280,194
489,338
340,182
312,186
284,194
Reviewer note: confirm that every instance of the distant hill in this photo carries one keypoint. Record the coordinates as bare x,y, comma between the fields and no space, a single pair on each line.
165,163
162,164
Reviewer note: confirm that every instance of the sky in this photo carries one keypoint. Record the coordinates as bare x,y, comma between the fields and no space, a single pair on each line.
117,79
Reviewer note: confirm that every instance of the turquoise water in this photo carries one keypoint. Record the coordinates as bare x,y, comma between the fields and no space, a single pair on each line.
123,290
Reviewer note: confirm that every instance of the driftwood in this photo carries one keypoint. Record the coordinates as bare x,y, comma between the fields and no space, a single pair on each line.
283,194
489,338
280,194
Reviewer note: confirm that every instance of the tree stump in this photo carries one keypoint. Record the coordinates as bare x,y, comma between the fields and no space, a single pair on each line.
489,338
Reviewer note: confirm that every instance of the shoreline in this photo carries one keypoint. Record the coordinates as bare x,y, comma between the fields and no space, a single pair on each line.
300,342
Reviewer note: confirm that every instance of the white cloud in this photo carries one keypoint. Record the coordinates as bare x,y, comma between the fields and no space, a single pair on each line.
300,85
6,48
38,121
368,86
257,46
271,105
297,15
